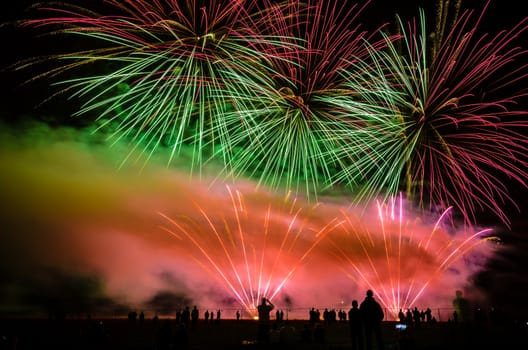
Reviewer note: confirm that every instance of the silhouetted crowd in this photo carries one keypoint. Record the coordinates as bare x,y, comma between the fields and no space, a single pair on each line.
364,320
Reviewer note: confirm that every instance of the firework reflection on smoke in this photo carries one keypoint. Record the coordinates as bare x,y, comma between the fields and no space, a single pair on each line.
109,228
252,244
252,247
404,258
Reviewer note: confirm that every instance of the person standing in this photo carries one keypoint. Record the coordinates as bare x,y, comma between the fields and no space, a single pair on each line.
356,326
372,315
194,317
264,310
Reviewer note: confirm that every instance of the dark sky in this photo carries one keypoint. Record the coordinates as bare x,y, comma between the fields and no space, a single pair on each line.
18,44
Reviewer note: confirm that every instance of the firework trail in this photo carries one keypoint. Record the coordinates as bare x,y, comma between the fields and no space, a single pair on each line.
297,96
253,250
400,256
172,73
94,220
254,84
309,124
456,133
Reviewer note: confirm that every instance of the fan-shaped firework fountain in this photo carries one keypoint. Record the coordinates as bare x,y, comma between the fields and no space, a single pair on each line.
400,255
254,249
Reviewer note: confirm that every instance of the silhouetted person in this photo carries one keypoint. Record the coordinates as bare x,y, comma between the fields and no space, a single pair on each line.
141,318
356,326
312,316
206,316
186,316
194,317
326,316
218,316
372,315
132,315
408,318
416,317
401,316
264,310
342,315
238,315
178,316
428,315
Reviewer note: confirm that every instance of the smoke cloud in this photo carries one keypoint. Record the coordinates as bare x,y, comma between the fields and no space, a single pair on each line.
154,237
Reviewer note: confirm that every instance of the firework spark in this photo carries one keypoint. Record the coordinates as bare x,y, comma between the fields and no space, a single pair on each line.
400,257
252,250
456,132
92,219
309,123
172,72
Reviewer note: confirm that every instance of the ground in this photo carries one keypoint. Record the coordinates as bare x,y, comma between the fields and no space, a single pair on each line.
84,333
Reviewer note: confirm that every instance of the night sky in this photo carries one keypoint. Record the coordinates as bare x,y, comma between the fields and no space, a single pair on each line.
505,278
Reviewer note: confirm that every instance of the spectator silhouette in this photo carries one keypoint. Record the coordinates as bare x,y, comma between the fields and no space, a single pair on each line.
408,317
178,316
264,310
401,316
428,315
356,326
141,318
186,316
132,315
194,317
312,317
372,315
416,317
326,316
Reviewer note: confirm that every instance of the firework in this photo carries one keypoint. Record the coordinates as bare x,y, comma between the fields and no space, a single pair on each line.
251,249
455,134
257,86
399,256
309,124
172,73
226,246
